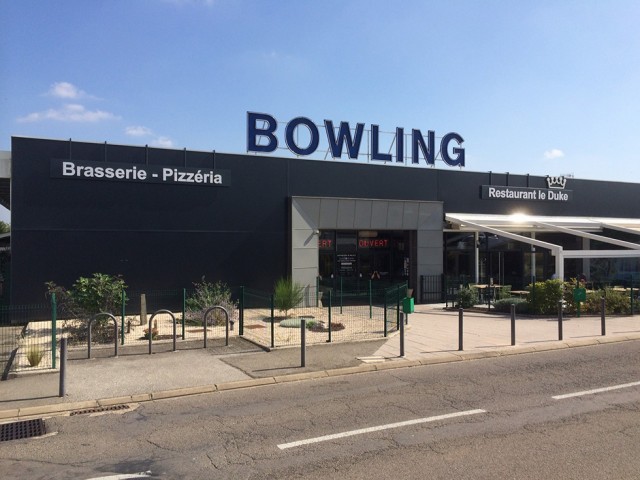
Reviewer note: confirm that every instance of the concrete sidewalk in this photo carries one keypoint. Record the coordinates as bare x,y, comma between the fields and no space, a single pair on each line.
431,337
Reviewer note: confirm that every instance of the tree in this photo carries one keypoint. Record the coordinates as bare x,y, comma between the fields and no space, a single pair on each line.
287,295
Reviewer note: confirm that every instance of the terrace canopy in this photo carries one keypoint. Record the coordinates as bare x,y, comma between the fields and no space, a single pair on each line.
523,228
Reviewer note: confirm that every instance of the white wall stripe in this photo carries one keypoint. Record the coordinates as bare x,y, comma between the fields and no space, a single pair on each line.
388,426
596,390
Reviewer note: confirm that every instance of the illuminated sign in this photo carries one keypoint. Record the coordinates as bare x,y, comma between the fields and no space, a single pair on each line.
377,243
262,127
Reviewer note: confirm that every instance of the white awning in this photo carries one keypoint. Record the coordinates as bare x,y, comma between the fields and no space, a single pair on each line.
515,225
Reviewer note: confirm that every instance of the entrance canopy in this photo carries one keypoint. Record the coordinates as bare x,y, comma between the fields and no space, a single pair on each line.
523,228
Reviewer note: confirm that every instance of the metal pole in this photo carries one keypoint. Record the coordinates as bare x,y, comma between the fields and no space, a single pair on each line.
63,366
241,313
54,333
303,341
603,326
385,314
123,305
273,332
401,334
559,319
184,310
370,301
175,331
317,291
631,298
89,340
329,340
340,294
460,329
150,333
513,324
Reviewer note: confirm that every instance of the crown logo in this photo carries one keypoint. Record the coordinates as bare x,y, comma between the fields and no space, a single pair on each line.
556,182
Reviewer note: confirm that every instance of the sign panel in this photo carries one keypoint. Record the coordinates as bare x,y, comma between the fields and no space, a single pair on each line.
492,192
129,172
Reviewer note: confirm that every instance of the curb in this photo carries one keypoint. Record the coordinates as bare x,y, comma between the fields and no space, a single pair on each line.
448,357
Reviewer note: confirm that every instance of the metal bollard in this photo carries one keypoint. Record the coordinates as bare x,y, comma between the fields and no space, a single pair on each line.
460,328
603,326
63,366
560,320
401,334
513,324
303,341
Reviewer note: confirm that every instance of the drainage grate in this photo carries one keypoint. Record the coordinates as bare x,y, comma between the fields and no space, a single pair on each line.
22,429
99,409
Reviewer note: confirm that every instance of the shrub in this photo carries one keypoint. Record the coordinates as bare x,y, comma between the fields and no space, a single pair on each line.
504,305
207,295
87,297
287,295
544,296
34,356
467,297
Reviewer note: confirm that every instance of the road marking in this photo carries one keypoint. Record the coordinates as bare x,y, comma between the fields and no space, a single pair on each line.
124,476
388,426
596,390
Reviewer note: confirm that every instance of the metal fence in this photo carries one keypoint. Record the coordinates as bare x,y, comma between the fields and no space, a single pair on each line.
329,316
30,335
26,333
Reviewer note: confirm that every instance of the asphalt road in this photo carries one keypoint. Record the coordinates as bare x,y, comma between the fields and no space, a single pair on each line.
485,419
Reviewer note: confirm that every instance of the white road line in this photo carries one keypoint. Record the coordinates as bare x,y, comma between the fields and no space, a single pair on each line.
124,476
388,426
596,390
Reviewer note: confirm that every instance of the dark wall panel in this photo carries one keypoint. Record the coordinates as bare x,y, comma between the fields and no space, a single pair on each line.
168,236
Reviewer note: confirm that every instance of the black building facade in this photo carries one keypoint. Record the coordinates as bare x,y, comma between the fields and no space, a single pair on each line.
79,208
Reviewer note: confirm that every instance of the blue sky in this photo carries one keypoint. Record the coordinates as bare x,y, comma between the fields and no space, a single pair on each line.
544,87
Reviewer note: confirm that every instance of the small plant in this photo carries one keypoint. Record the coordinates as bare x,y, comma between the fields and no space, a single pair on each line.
34,356
154,334
207,295
467,297
287,295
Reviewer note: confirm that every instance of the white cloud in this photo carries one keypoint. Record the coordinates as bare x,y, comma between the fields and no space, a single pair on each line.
138,131
164,142
67,91
70,112
553,153
156,141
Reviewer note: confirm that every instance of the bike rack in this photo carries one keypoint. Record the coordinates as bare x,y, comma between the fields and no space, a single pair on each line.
115,331
150,331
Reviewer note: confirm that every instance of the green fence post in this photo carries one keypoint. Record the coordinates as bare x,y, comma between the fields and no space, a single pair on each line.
54,333
273,321
370,301
632,298
241,313
123,312
184,310
317,290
